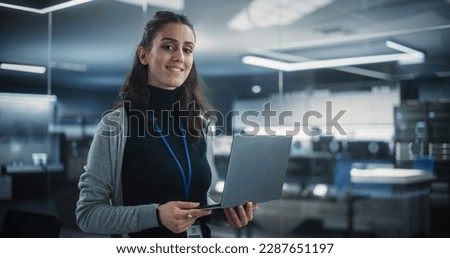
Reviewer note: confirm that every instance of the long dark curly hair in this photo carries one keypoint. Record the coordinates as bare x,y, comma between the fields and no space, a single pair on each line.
190,94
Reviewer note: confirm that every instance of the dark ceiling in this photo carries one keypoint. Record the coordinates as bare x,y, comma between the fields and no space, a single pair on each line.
37,4
92,44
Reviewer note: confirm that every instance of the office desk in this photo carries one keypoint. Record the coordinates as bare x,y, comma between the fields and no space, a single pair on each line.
406,190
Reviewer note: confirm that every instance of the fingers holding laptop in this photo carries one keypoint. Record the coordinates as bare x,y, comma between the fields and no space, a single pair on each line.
180,216
241,215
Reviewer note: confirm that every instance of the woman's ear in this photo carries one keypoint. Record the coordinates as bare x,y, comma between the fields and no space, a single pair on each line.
142,54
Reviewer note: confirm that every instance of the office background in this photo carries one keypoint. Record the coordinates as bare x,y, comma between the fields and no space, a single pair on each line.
385,63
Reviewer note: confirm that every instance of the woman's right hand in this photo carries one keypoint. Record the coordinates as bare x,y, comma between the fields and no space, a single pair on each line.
179,216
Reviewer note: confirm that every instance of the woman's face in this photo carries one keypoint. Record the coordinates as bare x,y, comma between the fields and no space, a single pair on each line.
171,56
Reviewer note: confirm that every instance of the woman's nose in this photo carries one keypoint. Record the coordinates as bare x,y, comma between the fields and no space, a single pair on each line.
178,56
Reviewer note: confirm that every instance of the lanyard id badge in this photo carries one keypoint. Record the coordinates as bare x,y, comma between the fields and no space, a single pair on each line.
187,179
195,231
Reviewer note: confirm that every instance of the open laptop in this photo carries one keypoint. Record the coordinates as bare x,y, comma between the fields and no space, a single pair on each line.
256,170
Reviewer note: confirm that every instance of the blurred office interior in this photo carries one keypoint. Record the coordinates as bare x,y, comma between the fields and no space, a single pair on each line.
369,78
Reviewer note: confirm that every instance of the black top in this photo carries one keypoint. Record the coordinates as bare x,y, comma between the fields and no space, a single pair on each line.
150,174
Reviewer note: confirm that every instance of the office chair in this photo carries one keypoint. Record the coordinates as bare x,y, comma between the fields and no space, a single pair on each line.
28,224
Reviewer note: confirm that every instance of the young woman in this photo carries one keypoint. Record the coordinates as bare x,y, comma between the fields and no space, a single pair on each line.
147,171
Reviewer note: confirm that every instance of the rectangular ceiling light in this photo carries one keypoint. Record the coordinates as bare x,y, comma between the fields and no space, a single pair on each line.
267,13
23,68
407,56
68,66
46,9
177,5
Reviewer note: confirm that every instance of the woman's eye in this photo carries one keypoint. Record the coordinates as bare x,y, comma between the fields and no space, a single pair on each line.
168,47
188,50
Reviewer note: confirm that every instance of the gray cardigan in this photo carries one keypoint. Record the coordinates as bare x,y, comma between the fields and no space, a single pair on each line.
100,207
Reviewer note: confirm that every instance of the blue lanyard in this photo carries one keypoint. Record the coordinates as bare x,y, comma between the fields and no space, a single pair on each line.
186,181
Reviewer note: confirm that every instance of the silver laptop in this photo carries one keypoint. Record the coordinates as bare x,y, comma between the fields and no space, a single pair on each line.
256,170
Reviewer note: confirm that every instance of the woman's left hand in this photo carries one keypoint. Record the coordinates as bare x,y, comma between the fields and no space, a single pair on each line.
241,215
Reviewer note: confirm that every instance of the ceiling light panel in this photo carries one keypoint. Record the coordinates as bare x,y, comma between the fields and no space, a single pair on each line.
267,13
23,68
406,56
176,5
360,48
34,3
48,9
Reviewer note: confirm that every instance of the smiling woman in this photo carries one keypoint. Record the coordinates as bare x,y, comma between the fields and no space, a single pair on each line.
165,59
155,172
171,58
